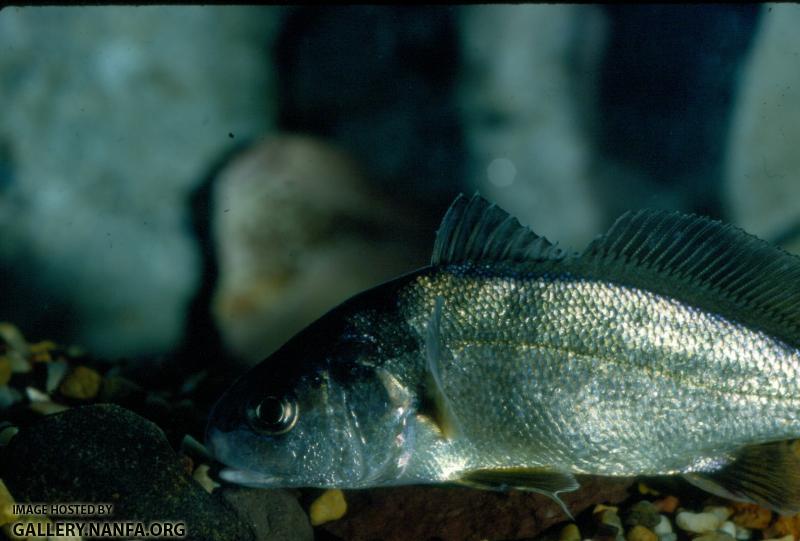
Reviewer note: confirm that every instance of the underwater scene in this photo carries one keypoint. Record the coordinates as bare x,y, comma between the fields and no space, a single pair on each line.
389,273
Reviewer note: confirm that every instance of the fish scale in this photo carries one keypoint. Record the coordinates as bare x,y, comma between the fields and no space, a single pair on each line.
669,345
661,366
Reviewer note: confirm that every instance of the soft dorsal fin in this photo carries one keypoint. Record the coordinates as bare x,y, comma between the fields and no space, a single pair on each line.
478,231
703,262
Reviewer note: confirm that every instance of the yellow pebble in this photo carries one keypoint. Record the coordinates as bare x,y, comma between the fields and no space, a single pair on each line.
5,370
43,346
330,506
570,532
82,383
641,533
599,508
6,501
40,351
201,476
647,491
30,523
11,336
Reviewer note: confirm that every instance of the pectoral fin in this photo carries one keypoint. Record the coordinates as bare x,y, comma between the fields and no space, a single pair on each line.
767,474
540,480
437,407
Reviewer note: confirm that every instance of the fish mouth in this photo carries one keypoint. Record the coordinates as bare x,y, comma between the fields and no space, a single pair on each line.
249,478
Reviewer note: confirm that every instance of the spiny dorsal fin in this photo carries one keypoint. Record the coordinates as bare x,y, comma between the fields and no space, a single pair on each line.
478,231
702,261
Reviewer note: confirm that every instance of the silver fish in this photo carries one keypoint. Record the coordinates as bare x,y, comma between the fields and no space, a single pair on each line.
669,346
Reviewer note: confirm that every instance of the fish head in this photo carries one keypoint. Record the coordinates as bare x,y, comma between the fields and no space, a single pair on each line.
316,413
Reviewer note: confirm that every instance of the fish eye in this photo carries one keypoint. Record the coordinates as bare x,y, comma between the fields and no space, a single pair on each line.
272,415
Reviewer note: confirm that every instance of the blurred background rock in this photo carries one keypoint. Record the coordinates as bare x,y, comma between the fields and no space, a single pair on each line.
763,162
210,179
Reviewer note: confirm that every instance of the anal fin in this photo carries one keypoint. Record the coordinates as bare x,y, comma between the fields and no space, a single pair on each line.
766,474
540,480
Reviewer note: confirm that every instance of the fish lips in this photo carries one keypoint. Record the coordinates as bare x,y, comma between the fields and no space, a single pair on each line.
249,478
218,443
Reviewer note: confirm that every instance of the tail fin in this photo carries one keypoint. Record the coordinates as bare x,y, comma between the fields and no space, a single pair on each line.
766,474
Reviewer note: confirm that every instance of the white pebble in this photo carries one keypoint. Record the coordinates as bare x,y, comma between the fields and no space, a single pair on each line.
720,511
743,534
663,527
697,522
671,536
729,528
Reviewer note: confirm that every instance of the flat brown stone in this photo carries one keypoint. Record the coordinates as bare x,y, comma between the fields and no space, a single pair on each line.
463,514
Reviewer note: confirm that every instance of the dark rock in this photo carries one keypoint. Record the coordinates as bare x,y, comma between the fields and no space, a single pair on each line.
643,513
452,513
106,454
273,515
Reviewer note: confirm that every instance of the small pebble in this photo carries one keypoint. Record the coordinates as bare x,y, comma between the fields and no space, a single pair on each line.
7,432
722,512
743,534
19,363
570,532
328,507
5,370
201,476
35,395
697,522
9,396
671,536
643,513
714,536
82,383
663,527
641,533
48,407
6,501
667,504
751,516
785,525
55,373
40,352
609,521
601,507
729,528
647,491
117,389
11,336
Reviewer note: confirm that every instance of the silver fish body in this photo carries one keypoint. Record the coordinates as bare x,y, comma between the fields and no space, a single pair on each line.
598,378
669,346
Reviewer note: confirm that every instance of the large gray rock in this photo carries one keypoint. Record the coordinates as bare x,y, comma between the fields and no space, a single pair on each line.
527,98
107,454
763,163
111,115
